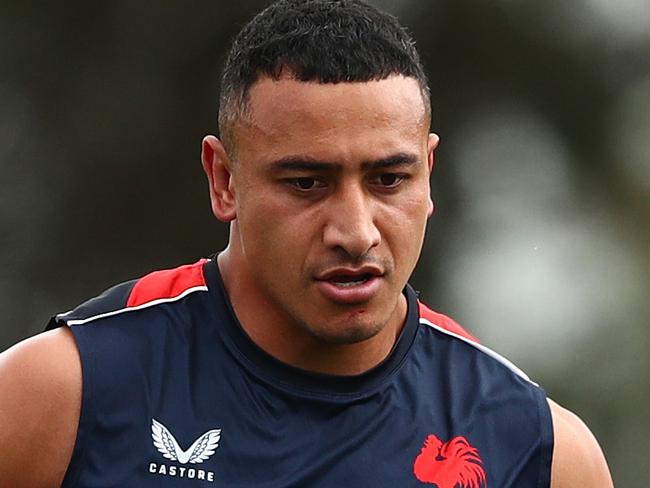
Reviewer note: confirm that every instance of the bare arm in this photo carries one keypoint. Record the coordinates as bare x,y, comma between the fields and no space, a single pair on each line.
40,401
577,457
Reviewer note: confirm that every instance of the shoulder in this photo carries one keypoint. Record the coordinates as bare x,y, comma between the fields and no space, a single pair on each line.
577,457
163,286
449,327
443,323
509,413
41,384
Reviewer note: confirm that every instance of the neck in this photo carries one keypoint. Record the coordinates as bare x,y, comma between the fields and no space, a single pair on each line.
279,335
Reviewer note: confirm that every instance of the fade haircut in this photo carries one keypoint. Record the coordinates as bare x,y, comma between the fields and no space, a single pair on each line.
323,41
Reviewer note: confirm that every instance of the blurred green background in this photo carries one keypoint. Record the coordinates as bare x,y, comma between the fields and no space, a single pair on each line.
541,240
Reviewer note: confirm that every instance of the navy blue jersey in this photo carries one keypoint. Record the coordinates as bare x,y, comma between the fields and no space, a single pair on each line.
176,394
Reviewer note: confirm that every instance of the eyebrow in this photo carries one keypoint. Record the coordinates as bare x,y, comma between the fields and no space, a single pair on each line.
399,159
305,163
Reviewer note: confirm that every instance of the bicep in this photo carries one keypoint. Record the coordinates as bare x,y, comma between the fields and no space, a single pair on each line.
40,401
577,458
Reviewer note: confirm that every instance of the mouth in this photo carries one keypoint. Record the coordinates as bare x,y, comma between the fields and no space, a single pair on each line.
350,286
347,281
347,276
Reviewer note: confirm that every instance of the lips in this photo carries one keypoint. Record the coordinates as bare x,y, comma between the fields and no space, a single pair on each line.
348,286
343,275
347,280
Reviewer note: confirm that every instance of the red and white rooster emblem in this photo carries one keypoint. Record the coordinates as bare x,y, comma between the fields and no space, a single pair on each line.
452,464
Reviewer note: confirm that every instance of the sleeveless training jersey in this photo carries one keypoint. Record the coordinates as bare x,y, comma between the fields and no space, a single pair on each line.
175,394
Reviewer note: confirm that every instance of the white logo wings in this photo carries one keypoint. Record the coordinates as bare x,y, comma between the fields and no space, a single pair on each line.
199,451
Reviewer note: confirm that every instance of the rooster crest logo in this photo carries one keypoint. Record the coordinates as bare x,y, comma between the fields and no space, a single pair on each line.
451,464
200,450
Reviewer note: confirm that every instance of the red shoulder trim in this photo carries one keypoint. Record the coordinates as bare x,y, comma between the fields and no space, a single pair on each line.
168,283
443,321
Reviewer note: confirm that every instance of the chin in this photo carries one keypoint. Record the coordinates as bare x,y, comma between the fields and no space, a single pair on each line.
346,333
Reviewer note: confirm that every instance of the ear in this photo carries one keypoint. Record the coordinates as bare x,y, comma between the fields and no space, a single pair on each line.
432,144
217,168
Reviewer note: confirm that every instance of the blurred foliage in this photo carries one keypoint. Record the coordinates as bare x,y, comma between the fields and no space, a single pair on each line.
104,106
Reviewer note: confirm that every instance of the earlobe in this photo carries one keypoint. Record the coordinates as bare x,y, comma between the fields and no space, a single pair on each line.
217,168
432,207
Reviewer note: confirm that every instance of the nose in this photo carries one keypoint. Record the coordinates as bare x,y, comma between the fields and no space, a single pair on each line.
351,222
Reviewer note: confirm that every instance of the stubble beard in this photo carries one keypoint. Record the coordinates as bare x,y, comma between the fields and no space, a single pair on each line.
350,326
344,334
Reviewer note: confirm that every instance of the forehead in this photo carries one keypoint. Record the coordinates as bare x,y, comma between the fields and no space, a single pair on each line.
287,115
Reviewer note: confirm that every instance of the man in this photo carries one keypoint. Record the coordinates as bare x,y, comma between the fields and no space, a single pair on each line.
299,356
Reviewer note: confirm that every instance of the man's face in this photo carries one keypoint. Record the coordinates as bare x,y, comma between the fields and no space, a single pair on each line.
331,192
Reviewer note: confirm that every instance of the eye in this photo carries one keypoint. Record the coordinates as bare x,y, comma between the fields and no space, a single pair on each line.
389,180
306,183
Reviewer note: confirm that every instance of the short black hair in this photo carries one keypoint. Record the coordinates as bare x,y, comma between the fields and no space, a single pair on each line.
326,41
